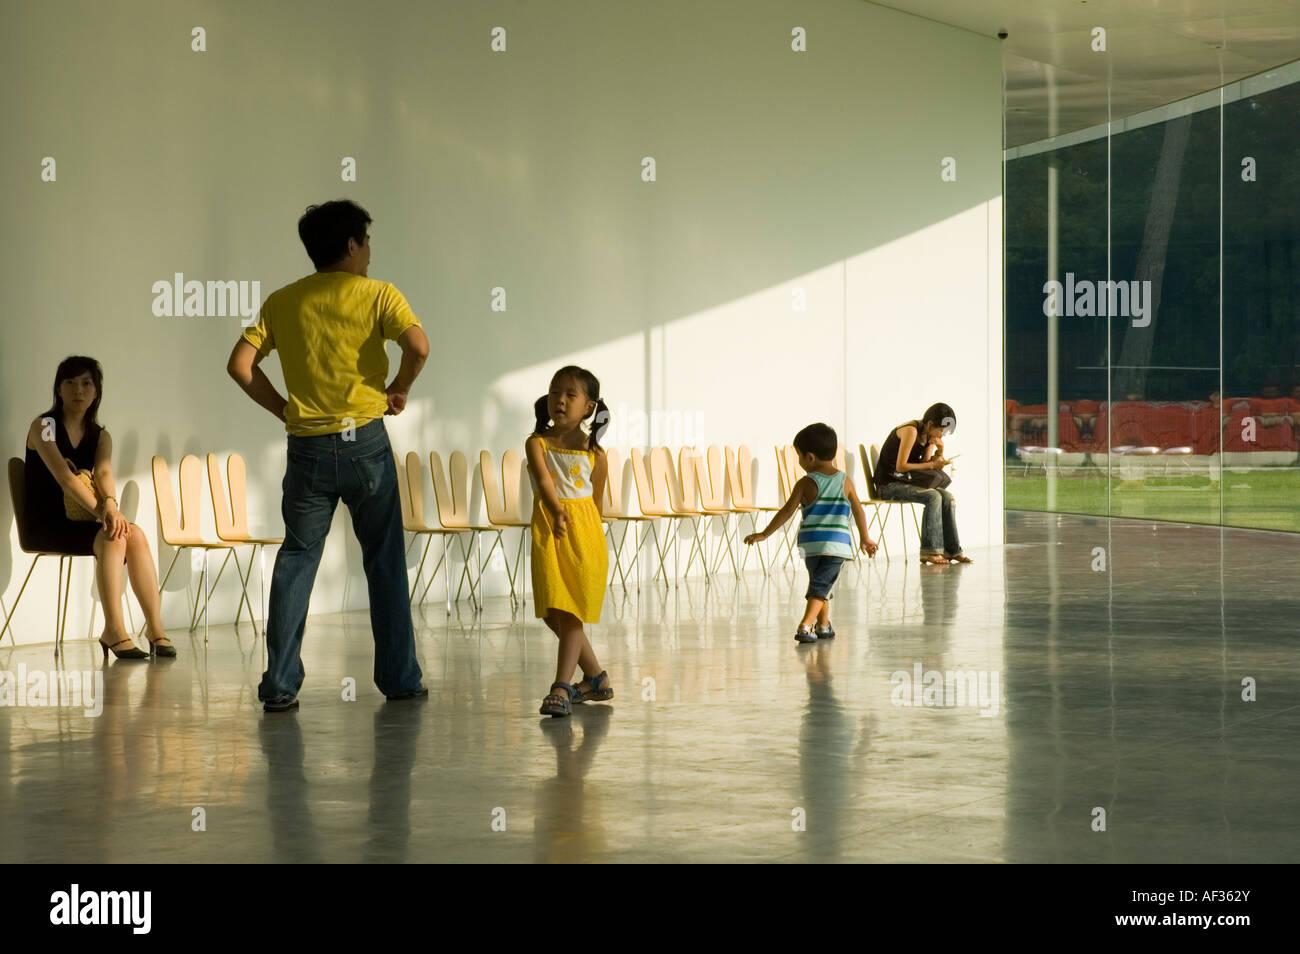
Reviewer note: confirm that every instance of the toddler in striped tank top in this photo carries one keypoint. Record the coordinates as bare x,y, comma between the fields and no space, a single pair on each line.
827,498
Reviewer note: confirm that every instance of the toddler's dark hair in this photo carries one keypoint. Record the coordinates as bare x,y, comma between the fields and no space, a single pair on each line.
600,416
817,439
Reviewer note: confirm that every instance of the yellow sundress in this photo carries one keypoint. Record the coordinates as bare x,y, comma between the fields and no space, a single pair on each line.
569,573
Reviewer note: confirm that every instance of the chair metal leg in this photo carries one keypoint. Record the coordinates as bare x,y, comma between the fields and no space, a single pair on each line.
729,534
695,546
632,527
239,604
13,609
419,570
762,562
465,574
519,566
261,584
244,578
497,541
194,614
244,599
902,531
661,550
207,595
677,532
61,618
882,514
168,575
479,596
740,541
511,571
433,575
788,544
726,542
617,548
208,586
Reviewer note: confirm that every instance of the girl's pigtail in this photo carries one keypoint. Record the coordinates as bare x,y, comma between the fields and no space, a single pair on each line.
599,425
543,414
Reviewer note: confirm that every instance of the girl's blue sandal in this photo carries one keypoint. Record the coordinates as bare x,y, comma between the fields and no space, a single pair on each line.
599,690
557,705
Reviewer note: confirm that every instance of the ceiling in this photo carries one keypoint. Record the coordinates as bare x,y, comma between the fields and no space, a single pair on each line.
1158,51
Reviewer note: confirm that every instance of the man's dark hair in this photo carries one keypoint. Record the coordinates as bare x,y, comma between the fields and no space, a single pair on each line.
325,230
818,440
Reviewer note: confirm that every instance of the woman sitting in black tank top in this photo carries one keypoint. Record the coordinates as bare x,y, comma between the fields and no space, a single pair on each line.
916,447
63,440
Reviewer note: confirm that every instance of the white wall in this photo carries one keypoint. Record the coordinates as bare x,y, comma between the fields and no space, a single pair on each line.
776,170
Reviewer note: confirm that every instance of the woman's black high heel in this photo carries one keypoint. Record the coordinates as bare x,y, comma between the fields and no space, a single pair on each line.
168,650
135,652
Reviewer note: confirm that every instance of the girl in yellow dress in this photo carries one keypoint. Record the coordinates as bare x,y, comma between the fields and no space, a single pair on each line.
566,466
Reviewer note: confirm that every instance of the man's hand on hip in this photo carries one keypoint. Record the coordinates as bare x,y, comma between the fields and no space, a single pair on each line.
396,400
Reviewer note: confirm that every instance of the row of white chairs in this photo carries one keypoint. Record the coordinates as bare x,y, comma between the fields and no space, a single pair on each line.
704,486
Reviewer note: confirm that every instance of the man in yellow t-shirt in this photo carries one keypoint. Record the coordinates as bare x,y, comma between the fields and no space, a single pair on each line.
330,329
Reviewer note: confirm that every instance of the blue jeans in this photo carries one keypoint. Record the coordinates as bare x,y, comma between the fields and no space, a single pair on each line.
938,524
321,471
823,571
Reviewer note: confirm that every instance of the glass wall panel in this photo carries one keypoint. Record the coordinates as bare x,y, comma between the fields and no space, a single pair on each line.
1153,313
1164,368
1052,468
1261,297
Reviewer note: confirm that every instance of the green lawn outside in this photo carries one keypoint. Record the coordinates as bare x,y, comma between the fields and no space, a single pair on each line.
1264,498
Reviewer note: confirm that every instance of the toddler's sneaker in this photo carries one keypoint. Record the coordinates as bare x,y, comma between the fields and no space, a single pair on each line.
804,636
827,633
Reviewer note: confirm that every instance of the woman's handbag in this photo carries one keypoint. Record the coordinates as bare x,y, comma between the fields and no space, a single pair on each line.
928,479
72,506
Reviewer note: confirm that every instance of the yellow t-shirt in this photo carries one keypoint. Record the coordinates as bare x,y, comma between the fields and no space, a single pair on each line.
330,329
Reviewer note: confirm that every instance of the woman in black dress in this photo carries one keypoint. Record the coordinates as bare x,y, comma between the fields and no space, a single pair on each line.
915,447
69,434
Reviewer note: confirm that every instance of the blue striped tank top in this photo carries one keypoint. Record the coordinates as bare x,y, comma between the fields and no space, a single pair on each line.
824,530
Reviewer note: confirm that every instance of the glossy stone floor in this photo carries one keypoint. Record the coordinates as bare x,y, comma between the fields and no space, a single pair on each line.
1119,689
